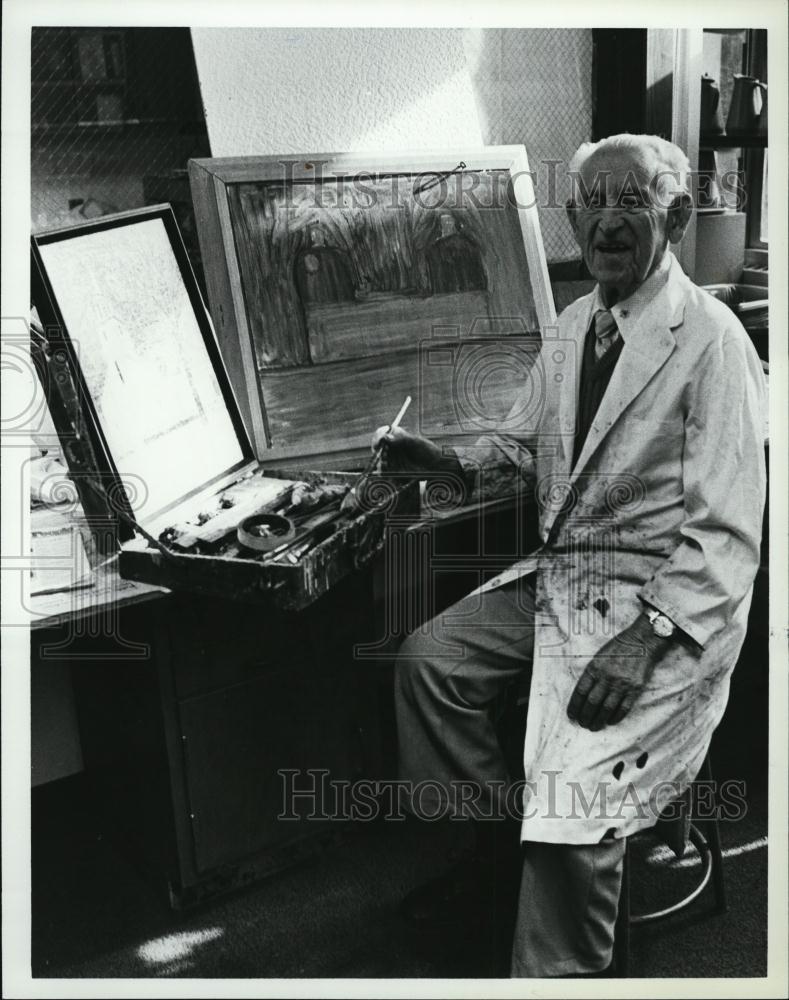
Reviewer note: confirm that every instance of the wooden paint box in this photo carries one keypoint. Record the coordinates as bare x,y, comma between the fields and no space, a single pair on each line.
149,422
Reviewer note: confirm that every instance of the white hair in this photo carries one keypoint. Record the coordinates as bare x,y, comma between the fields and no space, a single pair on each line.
672,167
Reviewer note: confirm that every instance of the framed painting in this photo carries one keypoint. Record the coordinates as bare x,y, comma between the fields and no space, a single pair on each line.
341,283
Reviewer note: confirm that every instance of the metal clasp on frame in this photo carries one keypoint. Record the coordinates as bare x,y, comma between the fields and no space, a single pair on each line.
438,178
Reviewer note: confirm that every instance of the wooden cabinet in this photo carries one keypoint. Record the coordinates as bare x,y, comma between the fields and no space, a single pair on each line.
196,715
186,745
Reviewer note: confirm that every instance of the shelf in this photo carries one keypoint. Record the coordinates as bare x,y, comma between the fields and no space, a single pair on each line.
113,123
732,142
67,82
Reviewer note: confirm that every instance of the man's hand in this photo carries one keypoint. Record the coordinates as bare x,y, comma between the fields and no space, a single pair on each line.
616,676
404,452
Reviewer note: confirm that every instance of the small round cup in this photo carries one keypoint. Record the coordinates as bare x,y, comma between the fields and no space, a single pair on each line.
265,532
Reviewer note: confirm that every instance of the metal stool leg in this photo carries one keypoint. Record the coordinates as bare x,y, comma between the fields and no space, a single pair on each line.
713,838
709,847
718,884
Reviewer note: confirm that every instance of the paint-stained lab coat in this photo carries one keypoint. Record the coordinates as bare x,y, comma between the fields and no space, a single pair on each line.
663,508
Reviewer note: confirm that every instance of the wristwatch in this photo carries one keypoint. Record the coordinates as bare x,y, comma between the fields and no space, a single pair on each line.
661,624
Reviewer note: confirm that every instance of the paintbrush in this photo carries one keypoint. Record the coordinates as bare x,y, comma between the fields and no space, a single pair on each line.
370,467
304,540
327,517
115,507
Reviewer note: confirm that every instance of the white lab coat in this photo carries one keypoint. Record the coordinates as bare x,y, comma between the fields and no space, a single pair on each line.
668,495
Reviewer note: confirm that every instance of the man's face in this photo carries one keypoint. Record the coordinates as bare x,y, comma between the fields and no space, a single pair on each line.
622,225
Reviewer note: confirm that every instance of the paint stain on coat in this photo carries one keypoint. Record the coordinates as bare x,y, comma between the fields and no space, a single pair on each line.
618,768
642,759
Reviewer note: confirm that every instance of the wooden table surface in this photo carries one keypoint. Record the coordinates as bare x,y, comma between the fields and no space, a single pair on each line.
108,590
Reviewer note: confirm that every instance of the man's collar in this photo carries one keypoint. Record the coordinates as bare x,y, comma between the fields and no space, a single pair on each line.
629,311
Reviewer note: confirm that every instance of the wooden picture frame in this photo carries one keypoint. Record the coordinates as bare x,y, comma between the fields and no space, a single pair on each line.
340,283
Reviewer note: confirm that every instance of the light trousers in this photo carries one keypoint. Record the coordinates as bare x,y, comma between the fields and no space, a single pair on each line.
451,677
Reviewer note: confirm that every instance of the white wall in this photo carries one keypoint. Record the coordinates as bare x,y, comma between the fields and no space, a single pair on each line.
314,90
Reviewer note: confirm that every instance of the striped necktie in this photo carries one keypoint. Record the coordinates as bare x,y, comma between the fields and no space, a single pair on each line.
606,331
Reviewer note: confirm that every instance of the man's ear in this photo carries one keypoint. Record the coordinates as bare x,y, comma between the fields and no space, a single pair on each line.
679,217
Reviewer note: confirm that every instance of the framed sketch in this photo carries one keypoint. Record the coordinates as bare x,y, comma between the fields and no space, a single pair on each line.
339,284
122,308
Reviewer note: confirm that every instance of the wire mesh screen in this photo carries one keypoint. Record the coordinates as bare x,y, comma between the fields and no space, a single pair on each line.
116,114
534,86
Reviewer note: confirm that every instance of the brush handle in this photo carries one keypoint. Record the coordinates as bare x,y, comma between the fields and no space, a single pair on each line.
378,448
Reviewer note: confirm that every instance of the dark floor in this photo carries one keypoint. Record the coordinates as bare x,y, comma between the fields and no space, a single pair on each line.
95,915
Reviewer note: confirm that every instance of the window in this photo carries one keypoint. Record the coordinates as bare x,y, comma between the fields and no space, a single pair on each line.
734,134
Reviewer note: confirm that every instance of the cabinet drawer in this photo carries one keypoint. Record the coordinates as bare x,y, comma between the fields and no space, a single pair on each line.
214,644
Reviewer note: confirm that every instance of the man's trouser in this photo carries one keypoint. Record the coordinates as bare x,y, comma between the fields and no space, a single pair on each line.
450,676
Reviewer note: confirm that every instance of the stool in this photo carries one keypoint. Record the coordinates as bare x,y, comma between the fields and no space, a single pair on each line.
676,832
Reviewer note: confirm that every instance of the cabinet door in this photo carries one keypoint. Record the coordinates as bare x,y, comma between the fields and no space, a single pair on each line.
302,715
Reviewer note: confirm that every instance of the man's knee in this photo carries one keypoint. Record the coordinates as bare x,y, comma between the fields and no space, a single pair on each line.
423,661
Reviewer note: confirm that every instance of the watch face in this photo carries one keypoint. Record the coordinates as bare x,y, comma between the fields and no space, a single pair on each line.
662,626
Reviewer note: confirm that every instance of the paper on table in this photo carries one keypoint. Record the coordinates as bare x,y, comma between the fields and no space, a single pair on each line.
59,561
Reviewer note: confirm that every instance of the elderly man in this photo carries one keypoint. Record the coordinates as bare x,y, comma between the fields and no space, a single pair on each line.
648,470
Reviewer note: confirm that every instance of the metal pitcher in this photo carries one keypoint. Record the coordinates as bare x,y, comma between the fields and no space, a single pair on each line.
748,111
711,118
709,195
